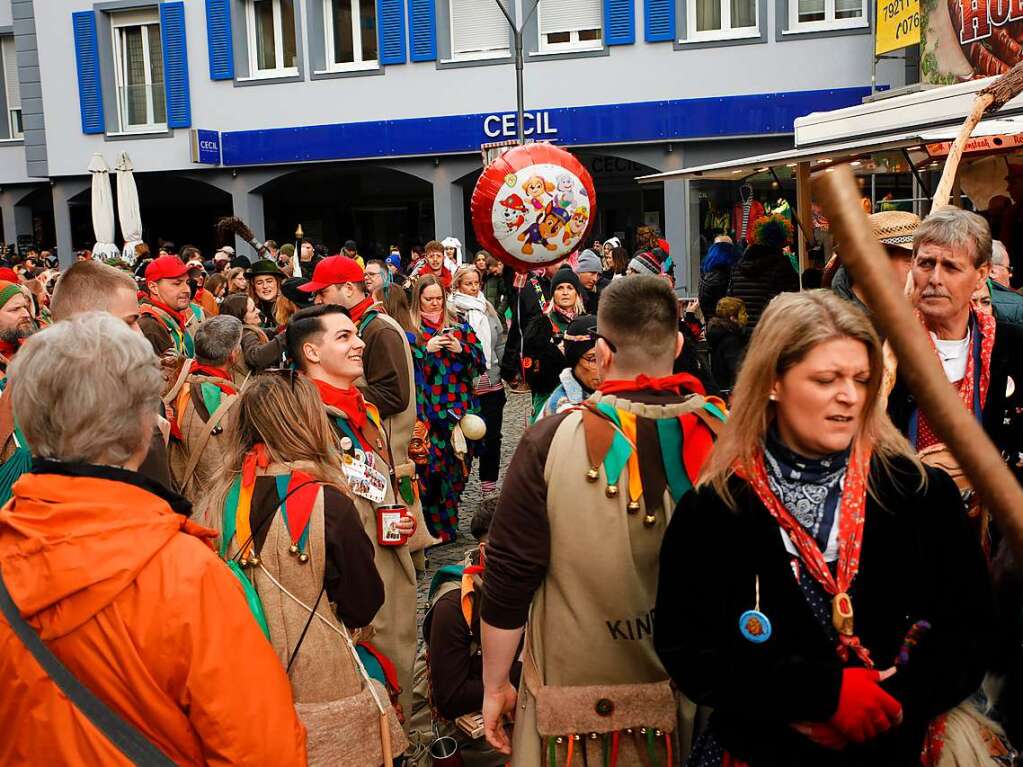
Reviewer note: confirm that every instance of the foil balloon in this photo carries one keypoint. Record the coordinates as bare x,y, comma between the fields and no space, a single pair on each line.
533,206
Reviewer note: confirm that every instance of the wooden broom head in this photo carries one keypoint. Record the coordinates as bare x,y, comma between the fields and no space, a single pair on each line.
231,226
1005,88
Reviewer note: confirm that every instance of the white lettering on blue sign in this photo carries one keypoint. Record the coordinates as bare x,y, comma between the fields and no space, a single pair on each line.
533,123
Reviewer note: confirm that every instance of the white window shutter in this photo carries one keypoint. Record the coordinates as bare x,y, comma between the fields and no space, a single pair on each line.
478,26
570,15
11,74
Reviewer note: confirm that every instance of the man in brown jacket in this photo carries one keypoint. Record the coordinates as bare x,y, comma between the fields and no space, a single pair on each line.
574,547
203,406
388,381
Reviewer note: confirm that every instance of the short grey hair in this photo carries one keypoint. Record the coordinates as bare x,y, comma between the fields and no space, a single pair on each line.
86,390
955,227
999,254
216,338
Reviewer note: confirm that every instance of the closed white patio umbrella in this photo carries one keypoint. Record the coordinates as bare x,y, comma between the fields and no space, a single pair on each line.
102,210
128,212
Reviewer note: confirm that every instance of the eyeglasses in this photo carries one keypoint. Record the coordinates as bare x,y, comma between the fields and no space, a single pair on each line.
609,342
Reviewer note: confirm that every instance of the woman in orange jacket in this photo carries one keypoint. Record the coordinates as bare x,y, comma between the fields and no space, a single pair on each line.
107,568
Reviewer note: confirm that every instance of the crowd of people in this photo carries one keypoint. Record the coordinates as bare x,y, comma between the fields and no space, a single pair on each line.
730,535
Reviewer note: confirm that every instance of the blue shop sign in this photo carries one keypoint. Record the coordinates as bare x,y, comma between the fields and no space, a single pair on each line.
679,119
206,146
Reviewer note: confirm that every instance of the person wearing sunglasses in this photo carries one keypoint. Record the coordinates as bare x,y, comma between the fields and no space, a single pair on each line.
324,345
581,377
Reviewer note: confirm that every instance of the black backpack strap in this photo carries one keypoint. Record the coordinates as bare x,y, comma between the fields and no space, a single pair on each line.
128,740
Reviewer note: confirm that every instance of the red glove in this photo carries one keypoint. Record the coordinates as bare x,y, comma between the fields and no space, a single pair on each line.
864,709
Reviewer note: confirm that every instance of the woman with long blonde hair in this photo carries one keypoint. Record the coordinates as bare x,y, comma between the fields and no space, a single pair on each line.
815,550
286,516
448,357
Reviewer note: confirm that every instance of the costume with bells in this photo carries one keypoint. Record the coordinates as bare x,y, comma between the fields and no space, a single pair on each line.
299,540
575,549
363,442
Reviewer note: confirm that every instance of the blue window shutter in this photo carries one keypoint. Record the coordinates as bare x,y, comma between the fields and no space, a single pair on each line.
659,20
90,87
175,64
422,30
619,22
391,31
219,39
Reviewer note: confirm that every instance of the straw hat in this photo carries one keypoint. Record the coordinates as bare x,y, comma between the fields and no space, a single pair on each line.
894,227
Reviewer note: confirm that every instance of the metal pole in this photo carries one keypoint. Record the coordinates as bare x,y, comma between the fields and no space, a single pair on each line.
519,88
519,97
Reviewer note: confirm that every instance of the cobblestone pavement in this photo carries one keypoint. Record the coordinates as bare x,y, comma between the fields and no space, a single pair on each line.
516,411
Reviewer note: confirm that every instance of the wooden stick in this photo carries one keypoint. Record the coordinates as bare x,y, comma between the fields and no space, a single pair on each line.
385,739
988,101
955,154
954,424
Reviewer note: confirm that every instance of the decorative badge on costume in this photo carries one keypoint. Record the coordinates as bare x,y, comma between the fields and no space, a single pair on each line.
753,624
533,206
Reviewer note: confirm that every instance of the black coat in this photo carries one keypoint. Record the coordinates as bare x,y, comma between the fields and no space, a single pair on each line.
919,561
727,343
713,287
760,275
526,303
541,345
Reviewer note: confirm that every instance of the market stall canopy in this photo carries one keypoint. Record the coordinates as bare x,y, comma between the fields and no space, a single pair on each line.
1000,134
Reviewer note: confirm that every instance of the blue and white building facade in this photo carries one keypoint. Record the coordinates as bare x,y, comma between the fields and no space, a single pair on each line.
363,119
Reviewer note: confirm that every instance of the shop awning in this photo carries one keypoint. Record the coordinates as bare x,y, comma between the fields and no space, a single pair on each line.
1000,132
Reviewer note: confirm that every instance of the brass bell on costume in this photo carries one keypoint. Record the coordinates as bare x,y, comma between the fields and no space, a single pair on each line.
592,474
633,507
650,520
254,562
293,549
303,557
611,491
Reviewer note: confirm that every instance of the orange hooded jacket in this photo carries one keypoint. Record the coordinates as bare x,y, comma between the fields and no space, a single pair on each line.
130,597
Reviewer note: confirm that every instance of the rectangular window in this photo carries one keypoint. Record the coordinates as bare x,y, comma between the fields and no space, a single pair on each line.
351,34
478,30
271,32
11,88
570,25
138,71
721,19
824,15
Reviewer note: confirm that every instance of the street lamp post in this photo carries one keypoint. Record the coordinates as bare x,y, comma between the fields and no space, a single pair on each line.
517,39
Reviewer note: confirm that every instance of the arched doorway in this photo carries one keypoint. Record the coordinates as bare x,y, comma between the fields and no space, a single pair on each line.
377,207
174,208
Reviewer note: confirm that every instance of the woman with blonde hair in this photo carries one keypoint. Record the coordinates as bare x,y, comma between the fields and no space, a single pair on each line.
543,357
468,300
286,516
820,589
448,357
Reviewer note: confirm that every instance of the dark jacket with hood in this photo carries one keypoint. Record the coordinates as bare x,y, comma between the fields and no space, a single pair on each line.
761,274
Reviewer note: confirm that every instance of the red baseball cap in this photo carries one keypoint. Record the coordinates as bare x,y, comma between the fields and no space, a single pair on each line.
165,268
336,270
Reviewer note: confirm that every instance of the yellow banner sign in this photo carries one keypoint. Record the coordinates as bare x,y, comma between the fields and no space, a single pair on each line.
898,25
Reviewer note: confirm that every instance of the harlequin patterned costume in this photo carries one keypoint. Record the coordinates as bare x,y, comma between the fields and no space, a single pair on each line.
444,394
